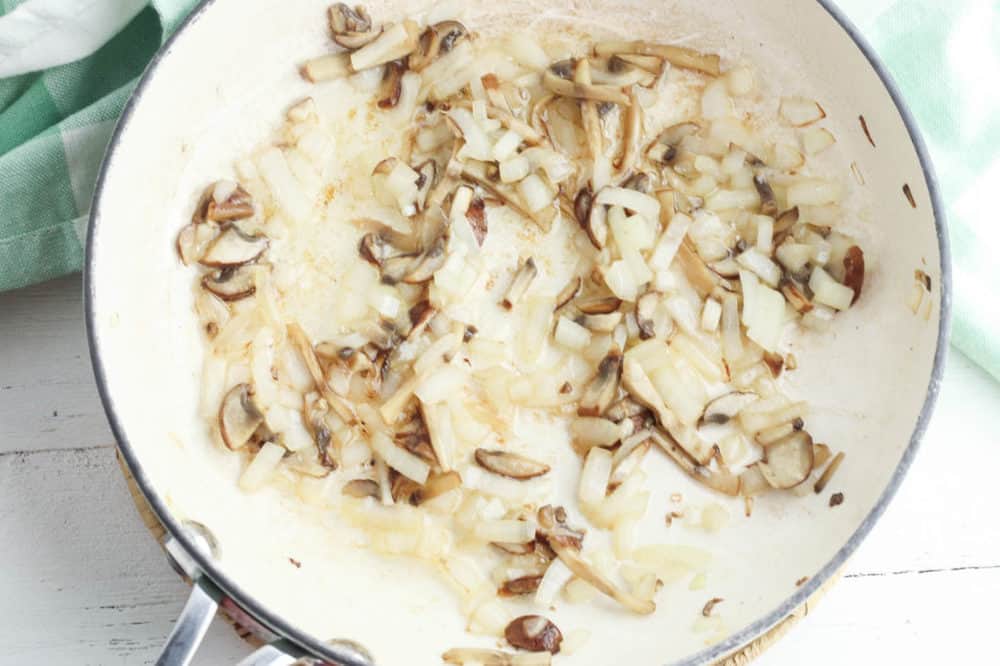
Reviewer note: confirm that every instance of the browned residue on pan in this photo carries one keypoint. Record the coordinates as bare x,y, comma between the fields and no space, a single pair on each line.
864,126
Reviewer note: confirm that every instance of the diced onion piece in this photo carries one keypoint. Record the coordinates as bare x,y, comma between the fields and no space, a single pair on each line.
571,335
787,157
633,200
828,291
763,267
400,459
262,467
441,384
506,531
715,102
555,578
740,81
670,242
813,192
800,111
514,169
595,476
393,43
711,314
284,186
506,146
477,143
536,194
817,139
621,281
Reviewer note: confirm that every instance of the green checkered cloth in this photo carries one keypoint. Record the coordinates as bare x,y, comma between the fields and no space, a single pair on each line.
54,125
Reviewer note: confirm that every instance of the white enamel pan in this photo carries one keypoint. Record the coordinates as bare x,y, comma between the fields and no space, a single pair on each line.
222,82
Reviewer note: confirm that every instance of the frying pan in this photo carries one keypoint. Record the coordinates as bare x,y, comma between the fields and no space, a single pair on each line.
218,86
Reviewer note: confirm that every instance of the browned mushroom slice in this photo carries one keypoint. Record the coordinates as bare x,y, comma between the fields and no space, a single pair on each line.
525,275
568,292
854,271
665,148
234,247
593,305
789,461
603,388
695,270
677,56
361,488
795,296
596,226
428,263
427,177
600,323
533,633
583,569
484,657
239,417
520,586
509,464
351,28
231,284
392,84
720,479
476,217
631,135
768,204
435,41
726,407
555,83
193,240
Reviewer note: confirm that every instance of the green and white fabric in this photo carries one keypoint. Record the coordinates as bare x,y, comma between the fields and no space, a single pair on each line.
68,66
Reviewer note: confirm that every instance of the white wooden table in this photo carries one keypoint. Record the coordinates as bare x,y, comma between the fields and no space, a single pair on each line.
82,582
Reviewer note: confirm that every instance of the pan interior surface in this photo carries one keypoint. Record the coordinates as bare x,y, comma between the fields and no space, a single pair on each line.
223,85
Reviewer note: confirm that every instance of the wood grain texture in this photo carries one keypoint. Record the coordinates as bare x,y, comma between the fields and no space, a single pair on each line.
82,582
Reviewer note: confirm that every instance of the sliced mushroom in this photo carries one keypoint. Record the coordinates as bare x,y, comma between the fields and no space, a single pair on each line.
351,28
509,464
603,388
631,135
569,292
597,226
678,56
428,263
553,82
645,314
361,488
231,284
392,84
234,247
726,407
584,570
533,633
789,461
193,240
768,204
600,323
854,271
525,275
594,305
795,296
520,586
435,41
720,479
239,417
665,148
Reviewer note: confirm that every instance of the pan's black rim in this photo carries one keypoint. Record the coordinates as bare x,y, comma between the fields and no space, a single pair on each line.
347,657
